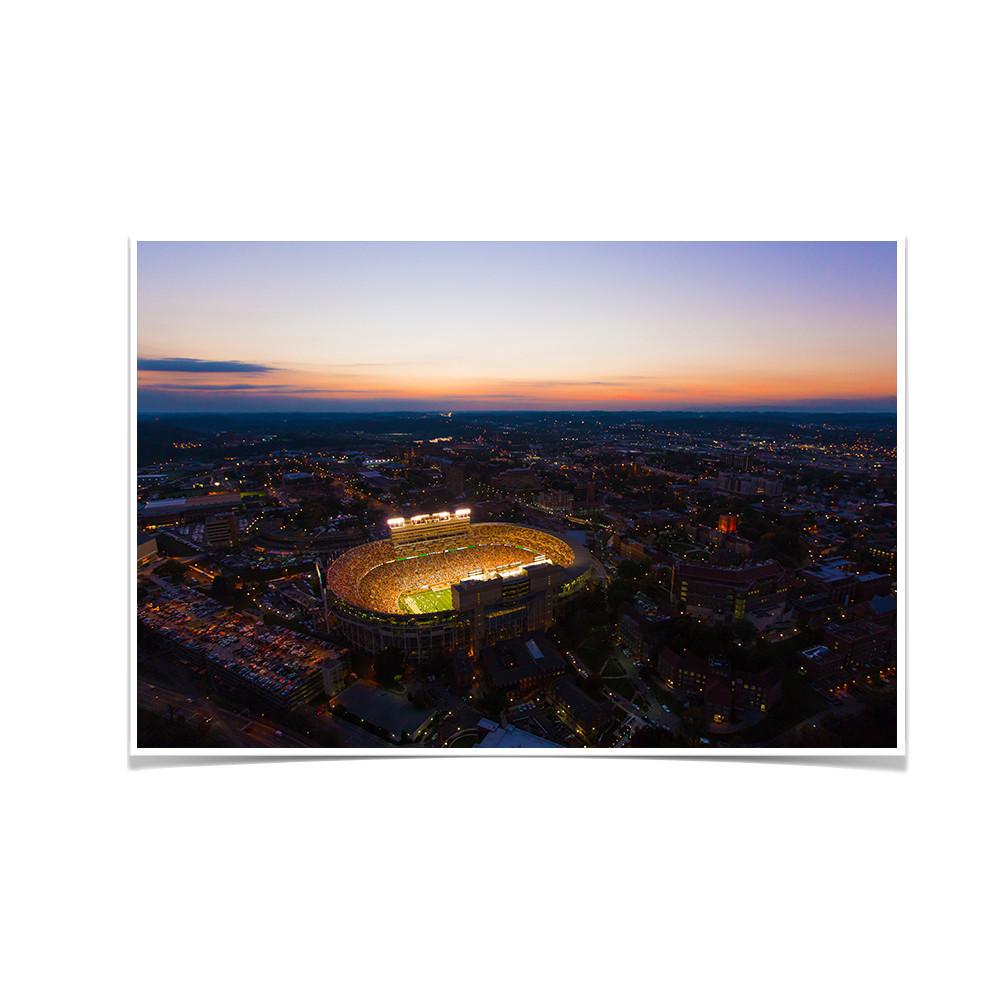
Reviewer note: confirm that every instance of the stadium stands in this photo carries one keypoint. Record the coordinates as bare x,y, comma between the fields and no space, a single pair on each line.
370,589
376,577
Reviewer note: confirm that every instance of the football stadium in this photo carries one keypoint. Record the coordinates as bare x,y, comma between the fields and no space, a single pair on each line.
440,583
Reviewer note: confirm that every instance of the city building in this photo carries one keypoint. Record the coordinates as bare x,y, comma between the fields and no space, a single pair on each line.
385,713
820,664
518,481
738,461
642,627
725,594
747,485
835,578
862,643
145,548
510,738
872,585
221,531
504,605
586,717
454,478
334,672
274,535
684,675
558,501
691,676
520,666
185,509
728,524
882,551
636,550
880,609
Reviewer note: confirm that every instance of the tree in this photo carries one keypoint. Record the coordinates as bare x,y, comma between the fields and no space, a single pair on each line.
783,544
223,587
388,666
587,613
631,570
651,737
619,592
435,666
173,569
692,725
492,703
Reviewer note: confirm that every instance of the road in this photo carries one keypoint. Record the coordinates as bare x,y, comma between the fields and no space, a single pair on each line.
625,706
163,682
230,727
659,715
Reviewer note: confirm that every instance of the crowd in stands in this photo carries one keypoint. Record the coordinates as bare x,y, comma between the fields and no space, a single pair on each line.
532,539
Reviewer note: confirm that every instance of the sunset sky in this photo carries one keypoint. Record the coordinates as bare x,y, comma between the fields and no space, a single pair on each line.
229,327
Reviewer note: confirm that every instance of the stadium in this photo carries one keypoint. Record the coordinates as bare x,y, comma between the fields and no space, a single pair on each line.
440,583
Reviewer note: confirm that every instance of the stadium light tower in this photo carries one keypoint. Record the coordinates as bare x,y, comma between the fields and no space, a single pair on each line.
322,593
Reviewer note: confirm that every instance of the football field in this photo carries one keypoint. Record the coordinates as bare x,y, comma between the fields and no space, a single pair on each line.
426,601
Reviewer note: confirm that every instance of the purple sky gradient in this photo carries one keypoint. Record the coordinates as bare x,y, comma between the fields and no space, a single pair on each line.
393,326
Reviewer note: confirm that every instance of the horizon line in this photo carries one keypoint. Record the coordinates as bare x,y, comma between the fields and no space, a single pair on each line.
456,412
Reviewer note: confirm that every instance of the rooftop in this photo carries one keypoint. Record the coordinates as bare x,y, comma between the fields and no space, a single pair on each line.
385,710
883,605
510,737
509,662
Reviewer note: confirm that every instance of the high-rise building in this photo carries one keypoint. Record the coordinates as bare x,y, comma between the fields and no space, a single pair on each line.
747,485
221,530
334,671
454,479
738,460
556,500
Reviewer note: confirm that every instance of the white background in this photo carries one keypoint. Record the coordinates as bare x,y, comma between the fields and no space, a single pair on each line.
469,120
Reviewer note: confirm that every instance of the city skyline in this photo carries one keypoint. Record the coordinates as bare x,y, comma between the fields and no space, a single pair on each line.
369,327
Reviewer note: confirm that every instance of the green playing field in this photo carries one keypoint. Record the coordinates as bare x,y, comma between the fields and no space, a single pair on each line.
425,601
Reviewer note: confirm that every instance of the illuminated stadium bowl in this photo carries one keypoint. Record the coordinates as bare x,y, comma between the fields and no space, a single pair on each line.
440,583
